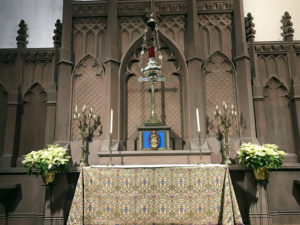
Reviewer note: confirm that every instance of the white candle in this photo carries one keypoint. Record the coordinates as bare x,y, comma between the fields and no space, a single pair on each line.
111,120
91,109
198,121
217,107
76,108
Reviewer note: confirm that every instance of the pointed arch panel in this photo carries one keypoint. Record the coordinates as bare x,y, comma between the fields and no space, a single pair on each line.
33,121
88,85
219,82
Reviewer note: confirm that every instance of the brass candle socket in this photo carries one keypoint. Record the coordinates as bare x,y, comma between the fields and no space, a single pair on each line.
88,122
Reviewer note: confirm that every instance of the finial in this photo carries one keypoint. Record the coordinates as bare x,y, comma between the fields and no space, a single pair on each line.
287,27
22,35
57,34
249,27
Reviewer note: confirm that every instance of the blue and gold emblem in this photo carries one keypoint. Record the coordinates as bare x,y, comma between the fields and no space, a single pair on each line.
154,140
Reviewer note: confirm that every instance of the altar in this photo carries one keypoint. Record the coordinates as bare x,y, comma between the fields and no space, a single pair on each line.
155,194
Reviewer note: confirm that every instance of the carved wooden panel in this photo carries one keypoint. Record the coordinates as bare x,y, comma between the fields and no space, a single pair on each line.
37,72
88,85
89,37
173,27
214,5
3,112
6,71
33,120
215,30
168,97
279,124
219,82
131,29
273,65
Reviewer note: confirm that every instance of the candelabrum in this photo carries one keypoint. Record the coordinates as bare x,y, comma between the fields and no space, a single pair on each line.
225,120
88,122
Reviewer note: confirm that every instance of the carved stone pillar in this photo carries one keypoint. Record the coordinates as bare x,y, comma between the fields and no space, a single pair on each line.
194,83
11,139
11,133
111,79
64,90
243,70
288,33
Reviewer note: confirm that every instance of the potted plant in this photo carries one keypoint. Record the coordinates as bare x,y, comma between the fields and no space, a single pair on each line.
260,158
47,162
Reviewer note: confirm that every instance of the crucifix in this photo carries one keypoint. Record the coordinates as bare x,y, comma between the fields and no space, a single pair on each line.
151,72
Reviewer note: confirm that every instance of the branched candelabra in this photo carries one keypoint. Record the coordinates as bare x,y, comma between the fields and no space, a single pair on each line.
225,121
88,122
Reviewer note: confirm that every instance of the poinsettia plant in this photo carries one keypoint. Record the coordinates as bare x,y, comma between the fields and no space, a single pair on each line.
52,159
256,156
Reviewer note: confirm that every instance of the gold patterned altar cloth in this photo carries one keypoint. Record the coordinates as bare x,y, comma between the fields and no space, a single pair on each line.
190,194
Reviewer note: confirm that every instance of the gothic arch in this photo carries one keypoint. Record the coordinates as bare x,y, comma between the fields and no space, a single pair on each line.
278,114
128,74
219,82
33,122
88,88
274,80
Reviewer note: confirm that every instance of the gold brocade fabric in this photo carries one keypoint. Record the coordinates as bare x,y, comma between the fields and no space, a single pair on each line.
157,195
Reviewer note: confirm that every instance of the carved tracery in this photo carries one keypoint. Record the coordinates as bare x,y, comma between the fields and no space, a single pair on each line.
219,83
216,33
88,85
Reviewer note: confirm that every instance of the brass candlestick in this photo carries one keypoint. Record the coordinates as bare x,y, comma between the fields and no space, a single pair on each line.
88,122
110,150
200,147
225,121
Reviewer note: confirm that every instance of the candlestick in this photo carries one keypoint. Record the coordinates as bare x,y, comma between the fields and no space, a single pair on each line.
198,121
111,120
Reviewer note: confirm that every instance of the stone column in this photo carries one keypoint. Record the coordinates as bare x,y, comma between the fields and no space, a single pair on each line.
194,79
64,80
243,76
51,92
111,78
11,139
288,34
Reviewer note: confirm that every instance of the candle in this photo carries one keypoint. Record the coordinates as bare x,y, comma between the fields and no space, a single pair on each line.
198,121
111,120
217,107
91,109
232,106
76,108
